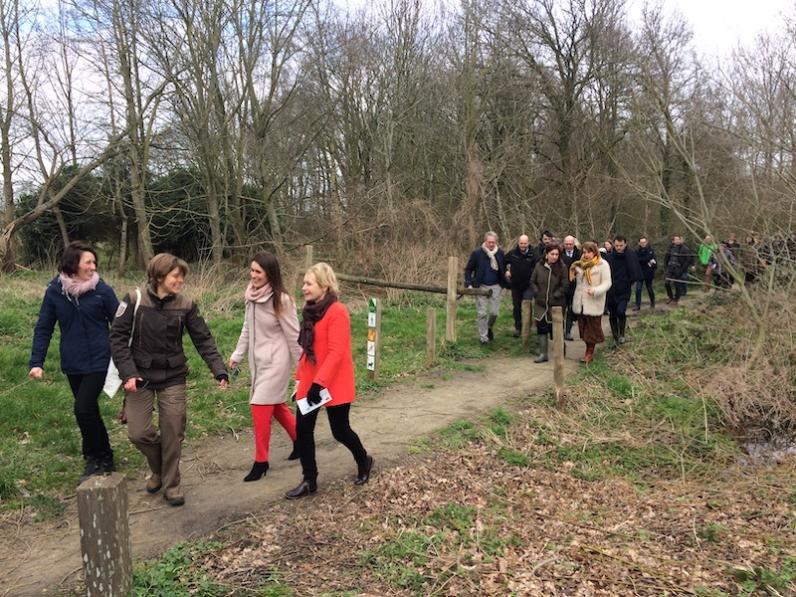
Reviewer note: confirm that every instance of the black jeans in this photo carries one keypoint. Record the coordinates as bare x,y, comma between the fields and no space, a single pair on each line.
86,389
639,285
341,431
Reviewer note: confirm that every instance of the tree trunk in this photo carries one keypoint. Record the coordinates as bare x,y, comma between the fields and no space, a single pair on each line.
59,217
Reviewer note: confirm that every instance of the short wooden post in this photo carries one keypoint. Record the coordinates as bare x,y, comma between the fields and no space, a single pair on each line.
431,335
374,337
558,352
308,257
526,323
450,304
105,535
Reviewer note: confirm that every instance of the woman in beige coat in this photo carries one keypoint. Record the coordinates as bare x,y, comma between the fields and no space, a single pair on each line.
593,280
270,337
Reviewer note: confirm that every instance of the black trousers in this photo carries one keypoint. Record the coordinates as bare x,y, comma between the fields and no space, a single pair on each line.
87,389
545,328
341,431
517,296
680,287
569,319
617,311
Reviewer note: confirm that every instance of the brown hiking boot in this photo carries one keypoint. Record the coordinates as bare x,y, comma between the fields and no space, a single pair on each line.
174,496
153,484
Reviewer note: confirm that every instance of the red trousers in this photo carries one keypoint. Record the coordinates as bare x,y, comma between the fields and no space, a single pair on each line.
261,417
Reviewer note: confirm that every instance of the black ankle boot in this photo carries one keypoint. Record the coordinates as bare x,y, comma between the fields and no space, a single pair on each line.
106,464
92,468
301,490
258,471
363,471
295,454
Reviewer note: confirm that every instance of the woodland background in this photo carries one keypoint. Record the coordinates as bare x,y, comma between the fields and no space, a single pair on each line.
210,128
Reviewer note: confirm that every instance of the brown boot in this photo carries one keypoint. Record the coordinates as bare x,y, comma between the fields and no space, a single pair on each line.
174,496
589,356
154,483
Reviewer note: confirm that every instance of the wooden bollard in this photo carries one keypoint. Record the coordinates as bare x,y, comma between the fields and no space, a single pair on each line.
105,535
525,309
308,257
431,335
450,303
558,352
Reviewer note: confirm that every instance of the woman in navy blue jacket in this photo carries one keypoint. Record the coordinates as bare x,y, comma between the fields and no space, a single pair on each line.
83,306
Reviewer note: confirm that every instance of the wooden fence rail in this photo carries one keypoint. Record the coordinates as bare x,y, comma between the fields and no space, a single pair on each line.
453,290
408,286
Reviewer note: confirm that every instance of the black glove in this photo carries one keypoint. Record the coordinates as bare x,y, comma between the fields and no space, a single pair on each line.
314,395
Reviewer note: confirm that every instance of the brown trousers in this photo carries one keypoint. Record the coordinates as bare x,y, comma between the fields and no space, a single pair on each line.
162,449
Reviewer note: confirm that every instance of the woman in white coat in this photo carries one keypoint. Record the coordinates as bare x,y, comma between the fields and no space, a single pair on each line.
593,280
270,337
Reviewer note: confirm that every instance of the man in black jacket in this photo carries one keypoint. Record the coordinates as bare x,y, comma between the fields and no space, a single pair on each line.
520,262
486,268
625,270
678,261
545,239
648,263
570,255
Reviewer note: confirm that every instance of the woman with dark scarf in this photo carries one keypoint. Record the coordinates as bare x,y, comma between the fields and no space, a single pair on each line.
592,276
83,306
270,337
326,363
550,283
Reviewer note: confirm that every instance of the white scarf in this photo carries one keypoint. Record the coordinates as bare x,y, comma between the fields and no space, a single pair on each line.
492,261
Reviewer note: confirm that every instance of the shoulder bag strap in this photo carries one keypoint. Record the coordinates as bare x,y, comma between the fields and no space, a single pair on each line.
135,312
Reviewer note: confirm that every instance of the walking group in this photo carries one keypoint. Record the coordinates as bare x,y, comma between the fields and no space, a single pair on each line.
143,333
588,281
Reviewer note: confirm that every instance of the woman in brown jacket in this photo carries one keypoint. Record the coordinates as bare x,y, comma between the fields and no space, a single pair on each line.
155,368
270,337
550,282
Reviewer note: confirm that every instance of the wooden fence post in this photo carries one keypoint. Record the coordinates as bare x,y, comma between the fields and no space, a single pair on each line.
526,323
105,535
374,337
431,335
450,305
558,352
308,257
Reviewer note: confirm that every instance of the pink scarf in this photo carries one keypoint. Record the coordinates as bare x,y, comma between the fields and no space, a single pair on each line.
77,287
258,295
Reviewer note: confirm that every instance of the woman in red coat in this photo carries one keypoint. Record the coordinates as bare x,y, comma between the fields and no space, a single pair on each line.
325,364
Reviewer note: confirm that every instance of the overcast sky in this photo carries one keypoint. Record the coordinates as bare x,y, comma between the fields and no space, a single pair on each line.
719,25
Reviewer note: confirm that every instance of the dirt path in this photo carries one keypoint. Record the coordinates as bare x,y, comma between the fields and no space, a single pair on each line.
37,559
